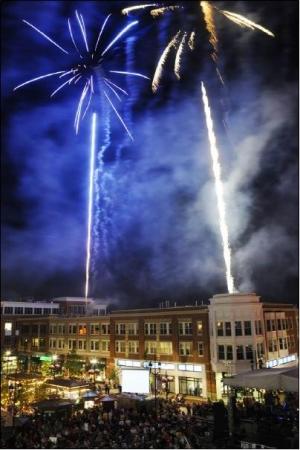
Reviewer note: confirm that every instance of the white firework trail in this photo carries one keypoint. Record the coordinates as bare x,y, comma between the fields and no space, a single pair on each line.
90,203
216,166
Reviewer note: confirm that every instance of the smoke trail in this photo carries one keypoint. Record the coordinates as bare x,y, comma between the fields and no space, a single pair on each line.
101,198
90,203
219,190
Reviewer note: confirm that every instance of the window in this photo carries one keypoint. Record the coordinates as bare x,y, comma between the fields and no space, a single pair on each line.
229,353
165,328
132,328
150,328
120,328
185,348
94,328
200,349
8,310
221,352
227,328
46,311
61,344
52,343
82,344
72,344
220,331
94,346
105,346
34,342
28,310
72,328
268,325
282,344
190,386
52,329
272,345
133,346
105,328
238,328
199,327
61,329
249,352
120,346
291,323
151,347
82,329
18,310
260,349
165,348
273,325
37,310
8,329
185,328
278,324
239,352
247,328
258,328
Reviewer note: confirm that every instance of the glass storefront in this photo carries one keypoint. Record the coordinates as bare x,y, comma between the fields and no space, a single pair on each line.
190,386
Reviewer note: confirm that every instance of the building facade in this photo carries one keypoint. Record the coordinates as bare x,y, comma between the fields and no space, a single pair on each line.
192,347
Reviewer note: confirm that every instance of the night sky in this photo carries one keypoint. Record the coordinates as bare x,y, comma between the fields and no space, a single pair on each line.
156,234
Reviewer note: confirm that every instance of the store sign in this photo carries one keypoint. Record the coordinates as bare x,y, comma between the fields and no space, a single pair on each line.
279,361
128,363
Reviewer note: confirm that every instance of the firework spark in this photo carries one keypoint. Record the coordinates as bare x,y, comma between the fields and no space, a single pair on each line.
90,66
177,65
216,166
208,11
159,68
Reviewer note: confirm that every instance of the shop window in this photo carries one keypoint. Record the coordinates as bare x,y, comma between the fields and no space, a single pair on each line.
190,386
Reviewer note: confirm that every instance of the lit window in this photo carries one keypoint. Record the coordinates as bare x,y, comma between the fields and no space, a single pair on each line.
199,327
165,348
8,328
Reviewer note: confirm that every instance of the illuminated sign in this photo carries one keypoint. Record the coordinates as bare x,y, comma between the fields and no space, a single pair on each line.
279,361
190,367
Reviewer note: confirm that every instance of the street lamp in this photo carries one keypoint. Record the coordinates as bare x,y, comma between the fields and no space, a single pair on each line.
94,361
156,369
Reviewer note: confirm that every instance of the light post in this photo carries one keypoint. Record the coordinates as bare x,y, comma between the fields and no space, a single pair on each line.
156,369
94,361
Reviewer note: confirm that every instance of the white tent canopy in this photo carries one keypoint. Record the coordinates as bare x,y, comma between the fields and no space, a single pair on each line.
270,379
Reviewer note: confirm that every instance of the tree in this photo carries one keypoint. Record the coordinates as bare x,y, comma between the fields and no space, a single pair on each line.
73,364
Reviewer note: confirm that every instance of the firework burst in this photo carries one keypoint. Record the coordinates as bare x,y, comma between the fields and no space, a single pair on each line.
89,69
185,38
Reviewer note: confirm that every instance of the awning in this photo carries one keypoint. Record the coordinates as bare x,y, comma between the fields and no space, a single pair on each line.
284,379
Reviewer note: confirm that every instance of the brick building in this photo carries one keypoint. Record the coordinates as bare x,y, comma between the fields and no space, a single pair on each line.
193,346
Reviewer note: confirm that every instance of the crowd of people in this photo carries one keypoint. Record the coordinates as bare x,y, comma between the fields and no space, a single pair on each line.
170,423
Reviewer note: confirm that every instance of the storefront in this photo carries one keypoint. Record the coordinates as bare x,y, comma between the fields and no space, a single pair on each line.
176,378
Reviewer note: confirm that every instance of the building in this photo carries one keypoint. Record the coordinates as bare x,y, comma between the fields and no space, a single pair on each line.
192,347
